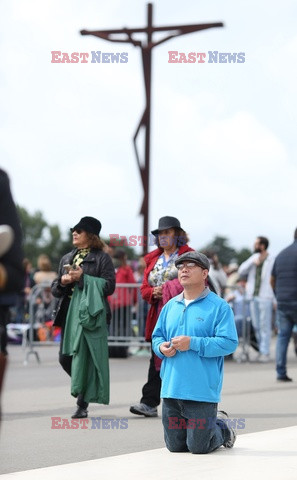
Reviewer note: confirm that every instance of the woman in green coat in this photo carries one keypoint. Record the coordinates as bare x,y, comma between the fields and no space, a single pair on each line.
85,279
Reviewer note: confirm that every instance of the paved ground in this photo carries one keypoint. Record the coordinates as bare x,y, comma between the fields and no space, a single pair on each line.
271,454
33,394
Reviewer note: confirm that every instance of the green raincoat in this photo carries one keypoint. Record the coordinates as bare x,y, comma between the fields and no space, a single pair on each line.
85,338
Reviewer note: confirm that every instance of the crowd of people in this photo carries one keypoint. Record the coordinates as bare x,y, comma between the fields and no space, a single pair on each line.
196,311
247,287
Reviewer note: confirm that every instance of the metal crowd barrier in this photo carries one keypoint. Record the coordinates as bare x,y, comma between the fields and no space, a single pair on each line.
36,291
243,323
128,322
127,325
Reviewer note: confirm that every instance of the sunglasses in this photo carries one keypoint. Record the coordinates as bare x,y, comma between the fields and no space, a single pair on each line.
77,230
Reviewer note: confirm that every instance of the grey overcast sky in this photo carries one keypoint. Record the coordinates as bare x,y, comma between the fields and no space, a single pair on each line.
223,134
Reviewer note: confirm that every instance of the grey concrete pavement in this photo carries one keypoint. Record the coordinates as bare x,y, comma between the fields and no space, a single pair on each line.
33,394
270,454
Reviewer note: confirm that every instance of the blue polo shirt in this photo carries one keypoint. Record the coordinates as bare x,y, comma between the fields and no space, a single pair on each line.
195,374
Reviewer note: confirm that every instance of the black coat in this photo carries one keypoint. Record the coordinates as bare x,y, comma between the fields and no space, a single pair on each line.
96,264
13,259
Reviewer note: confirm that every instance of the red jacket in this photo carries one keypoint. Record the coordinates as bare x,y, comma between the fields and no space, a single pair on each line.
122,296
147,290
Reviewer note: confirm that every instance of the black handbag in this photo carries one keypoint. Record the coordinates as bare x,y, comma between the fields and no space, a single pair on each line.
60,311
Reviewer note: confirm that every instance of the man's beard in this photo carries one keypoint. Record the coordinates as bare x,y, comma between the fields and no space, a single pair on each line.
257,250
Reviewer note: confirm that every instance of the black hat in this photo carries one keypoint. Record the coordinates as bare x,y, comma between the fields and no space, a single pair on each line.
196,257
165,223
88,224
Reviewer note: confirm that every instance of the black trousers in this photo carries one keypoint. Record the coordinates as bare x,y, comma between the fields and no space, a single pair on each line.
152,389
4,320
66,362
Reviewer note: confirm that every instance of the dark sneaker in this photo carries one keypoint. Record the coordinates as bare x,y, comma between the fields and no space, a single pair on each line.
143,409
80,413
222,417
285,378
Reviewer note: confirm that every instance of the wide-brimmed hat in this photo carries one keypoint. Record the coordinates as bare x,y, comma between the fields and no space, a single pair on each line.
196,257
88,224
165,223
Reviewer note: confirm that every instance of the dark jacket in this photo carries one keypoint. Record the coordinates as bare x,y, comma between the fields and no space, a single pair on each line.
12,260
285,273
96,264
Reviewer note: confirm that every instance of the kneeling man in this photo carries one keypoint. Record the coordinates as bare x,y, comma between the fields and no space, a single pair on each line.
194,332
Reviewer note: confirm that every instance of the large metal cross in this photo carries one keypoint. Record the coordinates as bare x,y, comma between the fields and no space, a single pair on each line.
146,50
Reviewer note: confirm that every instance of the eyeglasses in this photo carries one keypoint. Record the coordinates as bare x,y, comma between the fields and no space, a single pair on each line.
190,265
77,230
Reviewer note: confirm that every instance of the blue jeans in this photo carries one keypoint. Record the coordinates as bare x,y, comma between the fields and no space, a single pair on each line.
192,426
261,313
286,318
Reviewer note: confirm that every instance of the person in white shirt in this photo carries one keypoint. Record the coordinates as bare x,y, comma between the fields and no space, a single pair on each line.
258,269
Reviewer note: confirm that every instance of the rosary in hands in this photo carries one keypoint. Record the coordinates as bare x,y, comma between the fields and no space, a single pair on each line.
177,344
